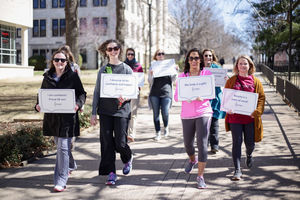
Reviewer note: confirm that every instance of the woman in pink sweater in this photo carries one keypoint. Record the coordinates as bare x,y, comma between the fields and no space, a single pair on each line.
195,117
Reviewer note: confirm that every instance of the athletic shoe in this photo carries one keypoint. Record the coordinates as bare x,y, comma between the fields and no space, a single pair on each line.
237,175
128,166
214,151
200,182
157,137
58,188
166,131
249,161
111,179
190,166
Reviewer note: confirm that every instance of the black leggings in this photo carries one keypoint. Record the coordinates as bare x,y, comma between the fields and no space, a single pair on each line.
113,138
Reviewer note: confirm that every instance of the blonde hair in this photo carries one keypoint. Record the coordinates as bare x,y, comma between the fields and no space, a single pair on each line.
251,65
214,57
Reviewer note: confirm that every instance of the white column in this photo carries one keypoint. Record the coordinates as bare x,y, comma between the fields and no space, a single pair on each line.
24,47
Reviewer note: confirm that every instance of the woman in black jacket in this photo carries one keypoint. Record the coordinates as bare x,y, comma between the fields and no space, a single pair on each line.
63,126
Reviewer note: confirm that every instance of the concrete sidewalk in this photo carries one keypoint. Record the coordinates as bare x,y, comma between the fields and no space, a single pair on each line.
158,166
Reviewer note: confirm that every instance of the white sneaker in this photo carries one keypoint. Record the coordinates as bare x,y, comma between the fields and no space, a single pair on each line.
166,131
157,137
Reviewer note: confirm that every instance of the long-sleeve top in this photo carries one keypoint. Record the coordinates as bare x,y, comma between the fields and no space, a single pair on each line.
195,108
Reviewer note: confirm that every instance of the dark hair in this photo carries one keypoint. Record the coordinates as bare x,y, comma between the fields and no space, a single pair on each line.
186,62
130,49
67,49
52,67
102,48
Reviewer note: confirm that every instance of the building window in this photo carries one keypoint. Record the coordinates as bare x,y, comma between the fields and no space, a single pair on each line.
42,28
103,2
42,3
62,3
35,52
36,31
62,25
19,56
54,3
96,2
104,24
35,4
8,51
54,27
96,24
83,55
82,3
19,32
82,25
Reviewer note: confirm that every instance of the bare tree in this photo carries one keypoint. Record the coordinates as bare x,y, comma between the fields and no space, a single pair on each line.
120,9
71,15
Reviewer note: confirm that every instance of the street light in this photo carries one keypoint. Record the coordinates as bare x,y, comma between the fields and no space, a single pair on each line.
149,2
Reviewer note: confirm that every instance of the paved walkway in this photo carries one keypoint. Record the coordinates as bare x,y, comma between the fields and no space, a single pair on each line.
158,166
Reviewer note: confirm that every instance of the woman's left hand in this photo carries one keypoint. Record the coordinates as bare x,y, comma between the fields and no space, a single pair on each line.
199,99
122,100
76,107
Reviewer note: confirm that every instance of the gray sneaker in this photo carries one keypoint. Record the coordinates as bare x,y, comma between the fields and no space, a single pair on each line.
190,166
200,183
166,131
237,175
157,137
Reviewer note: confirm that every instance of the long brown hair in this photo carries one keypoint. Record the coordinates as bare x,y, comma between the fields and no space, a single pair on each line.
102,48
187,64
52,67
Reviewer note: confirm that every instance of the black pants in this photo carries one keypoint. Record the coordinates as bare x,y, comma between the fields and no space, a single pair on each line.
214,134
113,138
237,131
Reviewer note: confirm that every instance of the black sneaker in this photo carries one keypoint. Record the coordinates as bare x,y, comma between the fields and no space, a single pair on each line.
249,161
214,151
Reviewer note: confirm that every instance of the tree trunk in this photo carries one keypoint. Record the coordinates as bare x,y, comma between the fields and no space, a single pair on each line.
120,28
71,15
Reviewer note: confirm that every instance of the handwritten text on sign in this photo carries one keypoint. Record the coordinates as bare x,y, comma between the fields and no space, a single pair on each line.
57,100
220,76
116,85
238,101
189,88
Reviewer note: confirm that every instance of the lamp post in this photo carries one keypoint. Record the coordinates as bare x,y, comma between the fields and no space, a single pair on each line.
290,41
149,2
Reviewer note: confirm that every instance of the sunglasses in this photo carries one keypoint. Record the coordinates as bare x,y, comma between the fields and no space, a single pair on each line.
110,49
194,58
161,54
130,54
207,55
60,59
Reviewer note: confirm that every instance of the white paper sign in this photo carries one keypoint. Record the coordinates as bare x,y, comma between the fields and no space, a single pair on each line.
189,88
57,100
116,85
164,68
220,76
238,101
140,77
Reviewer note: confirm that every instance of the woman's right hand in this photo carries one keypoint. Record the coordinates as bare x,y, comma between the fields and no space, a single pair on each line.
151,72
37,107
94,120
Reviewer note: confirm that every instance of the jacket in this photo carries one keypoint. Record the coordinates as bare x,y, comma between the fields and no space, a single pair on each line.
258,88
63,124
194,109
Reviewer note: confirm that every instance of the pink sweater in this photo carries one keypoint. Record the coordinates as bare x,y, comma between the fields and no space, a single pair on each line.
194,109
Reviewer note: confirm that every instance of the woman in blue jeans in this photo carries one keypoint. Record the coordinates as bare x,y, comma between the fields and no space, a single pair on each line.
160,97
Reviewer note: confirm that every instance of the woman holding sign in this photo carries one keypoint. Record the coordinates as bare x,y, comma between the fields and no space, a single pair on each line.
195,117
114,116
243,125
136,67
210,61
63,126
160,97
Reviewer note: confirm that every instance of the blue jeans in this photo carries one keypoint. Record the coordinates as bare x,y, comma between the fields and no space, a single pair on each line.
163,104
63,158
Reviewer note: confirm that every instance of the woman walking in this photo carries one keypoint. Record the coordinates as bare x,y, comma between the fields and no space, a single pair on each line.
160,97
210,61
63,126
136,67
195,118
114,115
243,125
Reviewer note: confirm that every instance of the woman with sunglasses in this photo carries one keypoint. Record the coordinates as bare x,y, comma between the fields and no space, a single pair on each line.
210,61
160,96
74,66
114,116
195,118
136,67
63,126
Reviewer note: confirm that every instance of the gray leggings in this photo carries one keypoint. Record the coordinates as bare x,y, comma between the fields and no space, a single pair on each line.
200,126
